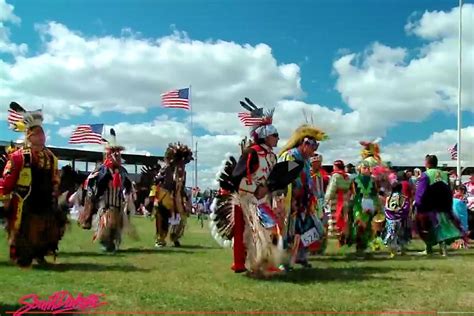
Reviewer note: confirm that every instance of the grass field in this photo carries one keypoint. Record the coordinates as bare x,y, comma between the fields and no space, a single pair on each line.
196,277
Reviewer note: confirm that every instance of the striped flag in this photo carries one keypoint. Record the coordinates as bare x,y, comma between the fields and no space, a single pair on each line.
177,99
87,134
14,116
248,120
453,151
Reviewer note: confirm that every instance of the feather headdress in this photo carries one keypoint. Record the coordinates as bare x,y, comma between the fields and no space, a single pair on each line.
177,152
302,132
259,121
371,152
24,120
111,144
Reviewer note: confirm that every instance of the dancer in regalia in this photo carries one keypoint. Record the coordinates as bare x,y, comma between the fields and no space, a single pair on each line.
460,210
242,211
365,205
29,191
107,188
435,220
172,205
397,233
320,180
303,230
338,197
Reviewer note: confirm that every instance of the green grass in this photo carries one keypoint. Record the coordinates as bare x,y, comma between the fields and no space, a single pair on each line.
197,277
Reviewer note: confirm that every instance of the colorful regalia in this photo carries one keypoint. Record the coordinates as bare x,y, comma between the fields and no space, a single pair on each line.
29,191
460,210
172,205
107,189
365,206
435,220
242,212
320,182
337,198
397,232
303,229
3,162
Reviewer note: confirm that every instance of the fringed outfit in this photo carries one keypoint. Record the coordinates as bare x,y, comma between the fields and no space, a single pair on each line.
262,230
29,190
365,205
397,231
338,197
435,220
34,223
241,215
303,229
171,204
108,185
320,182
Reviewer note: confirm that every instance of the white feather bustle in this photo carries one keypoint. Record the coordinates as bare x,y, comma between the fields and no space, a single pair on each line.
213,216
213,205
215,234
222,166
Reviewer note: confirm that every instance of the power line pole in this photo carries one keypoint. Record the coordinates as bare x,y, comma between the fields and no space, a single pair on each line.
458,171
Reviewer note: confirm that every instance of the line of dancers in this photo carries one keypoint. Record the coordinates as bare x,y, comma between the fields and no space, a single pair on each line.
272,229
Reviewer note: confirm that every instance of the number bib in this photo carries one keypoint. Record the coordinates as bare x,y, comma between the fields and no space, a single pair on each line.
368,205
174,220
309,237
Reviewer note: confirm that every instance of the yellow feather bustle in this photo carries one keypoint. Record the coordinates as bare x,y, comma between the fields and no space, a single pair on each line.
300,133
25,120
12,148
371,152
18,127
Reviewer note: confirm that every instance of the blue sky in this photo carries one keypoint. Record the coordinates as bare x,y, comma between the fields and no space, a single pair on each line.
310,34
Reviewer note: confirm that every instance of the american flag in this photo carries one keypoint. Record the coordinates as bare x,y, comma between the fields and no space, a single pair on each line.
248,120
178,99
14,116
454,152
87,134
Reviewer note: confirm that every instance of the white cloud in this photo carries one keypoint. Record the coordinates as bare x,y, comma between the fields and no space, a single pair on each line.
383,83
7,16
437,25
437,144
127,74
6,13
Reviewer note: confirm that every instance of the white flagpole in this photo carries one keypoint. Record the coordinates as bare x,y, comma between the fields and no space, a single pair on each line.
196,165
192,133
458,171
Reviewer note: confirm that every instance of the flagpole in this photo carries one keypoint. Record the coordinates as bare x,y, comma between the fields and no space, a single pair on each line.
196,166
459,94
192,134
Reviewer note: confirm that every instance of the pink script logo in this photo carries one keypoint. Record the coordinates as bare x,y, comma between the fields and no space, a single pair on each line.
59,302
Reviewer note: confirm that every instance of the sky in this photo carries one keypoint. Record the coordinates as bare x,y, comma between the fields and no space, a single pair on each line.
361,70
